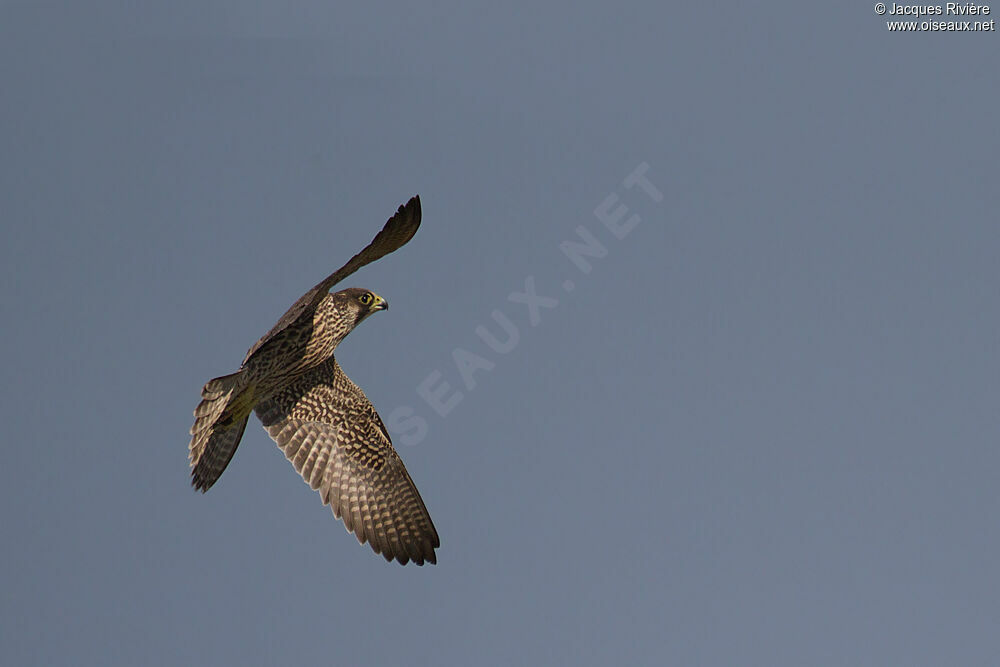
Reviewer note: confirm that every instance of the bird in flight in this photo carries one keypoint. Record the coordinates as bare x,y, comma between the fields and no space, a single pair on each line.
324,423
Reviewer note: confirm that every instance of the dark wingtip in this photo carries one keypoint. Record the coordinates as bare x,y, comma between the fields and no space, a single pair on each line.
415,557
199,482
430,558
412,208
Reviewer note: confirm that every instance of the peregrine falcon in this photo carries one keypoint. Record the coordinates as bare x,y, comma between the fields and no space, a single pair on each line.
324,423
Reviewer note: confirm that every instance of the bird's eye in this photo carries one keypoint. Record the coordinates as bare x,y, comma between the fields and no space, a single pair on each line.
365,299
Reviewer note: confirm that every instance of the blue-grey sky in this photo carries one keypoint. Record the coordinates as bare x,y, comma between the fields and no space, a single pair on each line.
761,430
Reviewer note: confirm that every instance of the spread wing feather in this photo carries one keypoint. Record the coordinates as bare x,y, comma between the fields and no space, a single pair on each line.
330,432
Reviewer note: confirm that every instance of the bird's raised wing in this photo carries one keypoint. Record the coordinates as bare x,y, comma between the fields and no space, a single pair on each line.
330,432
399,229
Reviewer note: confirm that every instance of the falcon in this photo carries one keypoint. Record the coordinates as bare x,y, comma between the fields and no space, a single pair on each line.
321,420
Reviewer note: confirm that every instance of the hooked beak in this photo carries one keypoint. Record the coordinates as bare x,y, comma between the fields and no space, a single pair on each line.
379,304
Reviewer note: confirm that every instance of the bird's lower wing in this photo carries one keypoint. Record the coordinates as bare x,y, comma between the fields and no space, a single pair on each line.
333,437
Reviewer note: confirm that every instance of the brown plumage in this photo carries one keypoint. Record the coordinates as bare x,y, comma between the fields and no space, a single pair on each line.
321,420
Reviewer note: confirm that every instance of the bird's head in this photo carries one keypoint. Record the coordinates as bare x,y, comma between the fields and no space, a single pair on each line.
357,304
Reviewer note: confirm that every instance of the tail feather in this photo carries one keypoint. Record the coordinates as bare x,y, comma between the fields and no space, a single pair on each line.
220,420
